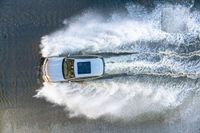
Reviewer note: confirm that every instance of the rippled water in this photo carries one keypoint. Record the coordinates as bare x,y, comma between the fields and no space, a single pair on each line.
151,52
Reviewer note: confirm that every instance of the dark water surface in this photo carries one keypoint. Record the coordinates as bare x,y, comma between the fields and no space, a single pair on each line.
22,24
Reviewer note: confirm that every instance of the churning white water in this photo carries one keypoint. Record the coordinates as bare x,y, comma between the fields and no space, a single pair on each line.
160,49
154,64
126,98
91,32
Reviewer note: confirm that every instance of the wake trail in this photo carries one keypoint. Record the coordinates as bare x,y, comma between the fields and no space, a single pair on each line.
122,98
137,31
155,64
150,46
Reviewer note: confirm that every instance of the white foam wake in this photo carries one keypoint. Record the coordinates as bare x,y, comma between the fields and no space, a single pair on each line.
154,64
121,97
91,32
137,31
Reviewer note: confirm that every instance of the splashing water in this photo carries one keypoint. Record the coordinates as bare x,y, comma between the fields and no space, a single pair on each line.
122,97
154,64
161,50
94,33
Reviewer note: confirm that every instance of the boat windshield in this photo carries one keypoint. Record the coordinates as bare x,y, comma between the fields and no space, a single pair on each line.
68,68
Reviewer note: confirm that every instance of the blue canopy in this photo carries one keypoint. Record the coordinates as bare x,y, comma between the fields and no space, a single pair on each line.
84,67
